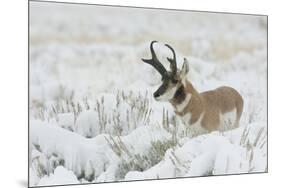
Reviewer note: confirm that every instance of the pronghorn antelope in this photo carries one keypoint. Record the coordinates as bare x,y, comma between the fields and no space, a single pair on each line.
214,110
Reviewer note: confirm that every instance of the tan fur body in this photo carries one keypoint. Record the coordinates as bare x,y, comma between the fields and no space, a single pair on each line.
219,109
208,109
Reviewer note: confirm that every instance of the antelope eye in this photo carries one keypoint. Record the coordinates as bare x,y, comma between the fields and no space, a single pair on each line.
175,81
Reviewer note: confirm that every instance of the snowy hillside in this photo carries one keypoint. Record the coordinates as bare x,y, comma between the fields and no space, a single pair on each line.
92,114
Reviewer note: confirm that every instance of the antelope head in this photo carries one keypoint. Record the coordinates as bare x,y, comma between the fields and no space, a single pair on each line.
173,80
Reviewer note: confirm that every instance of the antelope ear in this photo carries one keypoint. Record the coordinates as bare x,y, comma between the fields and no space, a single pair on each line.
185,68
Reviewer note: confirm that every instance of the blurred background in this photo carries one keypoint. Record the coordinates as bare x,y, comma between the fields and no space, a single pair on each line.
91,49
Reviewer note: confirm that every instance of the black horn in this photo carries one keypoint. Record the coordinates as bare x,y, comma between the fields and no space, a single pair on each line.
155,62
173,61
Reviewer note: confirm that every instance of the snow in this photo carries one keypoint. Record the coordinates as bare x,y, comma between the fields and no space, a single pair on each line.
87,124
196,157
60,176
66,120
92,114
80,153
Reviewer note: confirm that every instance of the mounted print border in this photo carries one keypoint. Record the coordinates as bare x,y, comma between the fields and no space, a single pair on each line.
118,93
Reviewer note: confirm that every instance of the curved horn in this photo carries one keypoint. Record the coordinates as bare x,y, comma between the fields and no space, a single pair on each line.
173,61
155,62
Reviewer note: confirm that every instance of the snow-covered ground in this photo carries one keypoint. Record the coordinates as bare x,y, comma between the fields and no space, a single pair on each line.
92,115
